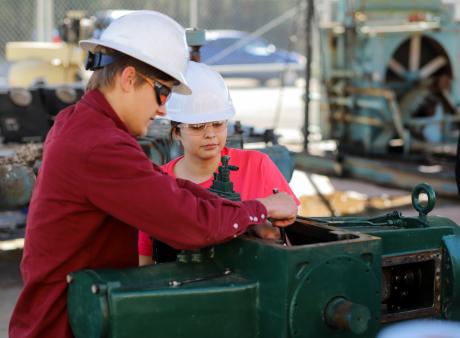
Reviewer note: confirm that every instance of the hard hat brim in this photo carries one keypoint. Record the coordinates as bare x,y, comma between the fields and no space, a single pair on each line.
182,88
183,117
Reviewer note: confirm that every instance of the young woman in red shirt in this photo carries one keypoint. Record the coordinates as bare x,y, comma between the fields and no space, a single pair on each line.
199,123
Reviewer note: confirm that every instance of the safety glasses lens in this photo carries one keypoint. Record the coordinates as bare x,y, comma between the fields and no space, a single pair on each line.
198,128
162,92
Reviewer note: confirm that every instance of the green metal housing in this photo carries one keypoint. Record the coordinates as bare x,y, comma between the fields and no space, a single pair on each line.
342,277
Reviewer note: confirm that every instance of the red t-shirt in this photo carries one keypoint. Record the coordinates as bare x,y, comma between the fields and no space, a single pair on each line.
256,178
94,183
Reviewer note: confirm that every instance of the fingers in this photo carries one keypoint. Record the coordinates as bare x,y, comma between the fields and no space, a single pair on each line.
283,222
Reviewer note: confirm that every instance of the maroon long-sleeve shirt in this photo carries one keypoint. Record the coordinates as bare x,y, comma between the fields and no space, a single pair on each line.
95,187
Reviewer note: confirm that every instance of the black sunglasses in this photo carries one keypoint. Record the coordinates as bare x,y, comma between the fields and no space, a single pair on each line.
162,92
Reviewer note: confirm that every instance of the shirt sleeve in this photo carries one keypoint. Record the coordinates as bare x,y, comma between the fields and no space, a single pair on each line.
122,181
273,178
144,244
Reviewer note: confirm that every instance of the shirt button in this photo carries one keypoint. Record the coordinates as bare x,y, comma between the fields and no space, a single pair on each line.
251,218
235,225
235,236
262,216
256,219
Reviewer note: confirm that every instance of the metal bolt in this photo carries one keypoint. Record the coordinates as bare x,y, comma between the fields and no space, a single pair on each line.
69,279
174,283
95,289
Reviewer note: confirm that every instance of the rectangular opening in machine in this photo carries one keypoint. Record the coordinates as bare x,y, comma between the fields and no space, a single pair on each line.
410,286
304,234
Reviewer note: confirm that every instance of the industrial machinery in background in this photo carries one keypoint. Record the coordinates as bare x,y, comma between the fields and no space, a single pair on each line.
43,78
52,63
391,73
391,268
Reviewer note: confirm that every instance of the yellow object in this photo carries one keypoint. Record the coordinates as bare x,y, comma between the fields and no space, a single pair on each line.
347,203
54,63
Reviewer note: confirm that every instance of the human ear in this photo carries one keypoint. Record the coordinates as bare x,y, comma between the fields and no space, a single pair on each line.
176,134
128,78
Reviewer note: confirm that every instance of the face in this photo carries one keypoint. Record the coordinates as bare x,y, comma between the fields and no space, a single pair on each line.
201,142
142,105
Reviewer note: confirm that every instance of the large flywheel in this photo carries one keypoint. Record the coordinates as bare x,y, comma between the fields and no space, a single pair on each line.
420,73
418,58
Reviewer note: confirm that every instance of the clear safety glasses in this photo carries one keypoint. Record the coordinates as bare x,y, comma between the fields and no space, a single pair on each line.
199,128
162,92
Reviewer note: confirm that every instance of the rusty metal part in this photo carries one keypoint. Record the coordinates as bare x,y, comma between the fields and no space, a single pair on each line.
24,155
344,315
16,184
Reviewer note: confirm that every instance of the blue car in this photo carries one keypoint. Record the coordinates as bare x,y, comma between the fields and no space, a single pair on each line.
237,54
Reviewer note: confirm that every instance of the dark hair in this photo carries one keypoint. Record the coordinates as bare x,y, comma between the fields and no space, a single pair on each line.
104,77
174,129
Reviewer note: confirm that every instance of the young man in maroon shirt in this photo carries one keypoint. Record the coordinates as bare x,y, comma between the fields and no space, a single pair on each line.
96,187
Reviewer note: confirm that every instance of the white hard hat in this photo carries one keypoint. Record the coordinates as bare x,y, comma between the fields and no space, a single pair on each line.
150,37
210,99
422,328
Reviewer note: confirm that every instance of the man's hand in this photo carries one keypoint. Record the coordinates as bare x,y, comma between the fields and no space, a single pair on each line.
281,208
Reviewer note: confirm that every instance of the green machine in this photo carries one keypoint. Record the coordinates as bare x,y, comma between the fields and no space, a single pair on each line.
340,277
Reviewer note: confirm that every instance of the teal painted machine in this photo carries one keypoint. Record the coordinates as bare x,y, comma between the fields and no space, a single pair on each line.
392,75
391,79
341,277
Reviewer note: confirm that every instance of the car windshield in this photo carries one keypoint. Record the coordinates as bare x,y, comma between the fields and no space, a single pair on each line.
259,47
222,43
255,46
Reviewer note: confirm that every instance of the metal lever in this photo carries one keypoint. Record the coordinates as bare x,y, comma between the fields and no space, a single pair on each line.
178,283
284,239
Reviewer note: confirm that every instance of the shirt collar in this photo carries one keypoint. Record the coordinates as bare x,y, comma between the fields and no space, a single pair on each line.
98,102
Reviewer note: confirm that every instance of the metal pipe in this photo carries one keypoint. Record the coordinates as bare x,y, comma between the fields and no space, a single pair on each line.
309,21
44,19
193,13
